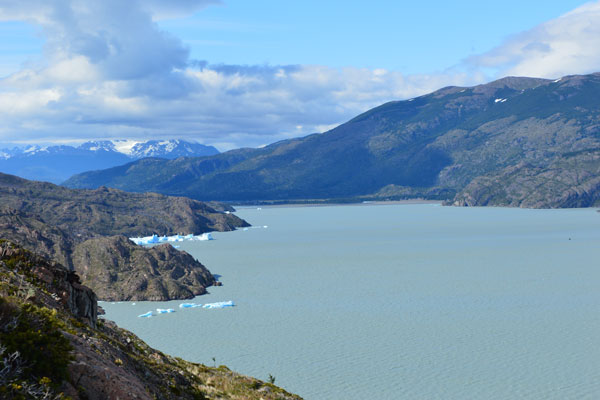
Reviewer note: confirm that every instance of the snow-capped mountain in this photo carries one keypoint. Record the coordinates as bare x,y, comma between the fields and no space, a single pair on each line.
57,163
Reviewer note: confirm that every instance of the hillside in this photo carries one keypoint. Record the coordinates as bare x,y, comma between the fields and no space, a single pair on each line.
88,230
52,346
516,141
57,163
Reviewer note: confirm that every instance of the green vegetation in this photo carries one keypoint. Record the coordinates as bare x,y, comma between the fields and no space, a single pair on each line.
36,334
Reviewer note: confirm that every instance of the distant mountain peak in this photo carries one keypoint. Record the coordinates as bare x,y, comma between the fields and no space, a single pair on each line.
57,163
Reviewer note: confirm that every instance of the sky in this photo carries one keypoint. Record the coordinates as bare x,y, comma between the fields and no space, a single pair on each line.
234,73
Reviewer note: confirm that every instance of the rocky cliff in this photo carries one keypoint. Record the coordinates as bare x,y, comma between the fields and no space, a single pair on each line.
160,272
52,346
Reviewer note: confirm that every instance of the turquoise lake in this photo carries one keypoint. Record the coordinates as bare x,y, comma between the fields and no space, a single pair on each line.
409,301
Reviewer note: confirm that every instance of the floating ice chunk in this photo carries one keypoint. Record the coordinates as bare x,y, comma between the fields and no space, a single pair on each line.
133,304
266,226
259,208
204,236
165,310
146,315
220,304
175,238
245,229
189,305
500,100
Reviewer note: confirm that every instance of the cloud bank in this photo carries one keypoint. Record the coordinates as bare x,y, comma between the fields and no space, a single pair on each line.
108,71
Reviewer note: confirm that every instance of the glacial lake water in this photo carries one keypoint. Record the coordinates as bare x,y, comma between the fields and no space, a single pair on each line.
411,301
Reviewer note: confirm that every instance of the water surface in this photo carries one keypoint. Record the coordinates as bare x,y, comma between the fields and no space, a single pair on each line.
398,302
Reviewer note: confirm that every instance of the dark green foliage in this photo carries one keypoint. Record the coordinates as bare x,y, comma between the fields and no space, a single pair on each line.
35,332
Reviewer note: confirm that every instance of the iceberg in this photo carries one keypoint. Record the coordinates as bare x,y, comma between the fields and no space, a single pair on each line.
146,315
205,236
189,305
220,304
175,238
165,310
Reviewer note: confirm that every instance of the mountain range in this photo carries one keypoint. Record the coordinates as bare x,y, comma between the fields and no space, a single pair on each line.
57,163
516,141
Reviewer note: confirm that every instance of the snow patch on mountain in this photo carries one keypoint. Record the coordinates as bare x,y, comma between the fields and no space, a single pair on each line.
125,146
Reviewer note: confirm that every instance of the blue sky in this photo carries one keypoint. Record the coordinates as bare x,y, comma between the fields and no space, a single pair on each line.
412,37
234,73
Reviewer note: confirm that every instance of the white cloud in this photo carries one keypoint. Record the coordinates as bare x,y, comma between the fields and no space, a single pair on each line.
564,46
108,71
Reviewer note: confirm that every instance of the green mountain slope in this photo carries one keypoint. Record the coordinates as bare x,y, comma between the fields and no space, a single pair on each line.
455,144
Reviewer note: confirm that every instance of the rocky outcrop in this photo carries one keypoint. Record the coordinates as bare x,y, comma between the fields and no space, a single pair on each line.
568,183
86,230
52,346
62,288
117,269
83,214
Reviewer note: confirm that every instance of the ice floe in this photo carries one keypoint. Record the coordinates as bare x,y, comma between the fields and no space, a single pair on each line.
189,305
220,304
175,238
500,100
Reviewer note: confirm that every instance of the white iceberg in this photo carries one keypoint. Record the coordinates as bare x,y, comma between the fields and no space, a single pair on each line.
175,238
146,315
220,304
189,305
165,310
204,236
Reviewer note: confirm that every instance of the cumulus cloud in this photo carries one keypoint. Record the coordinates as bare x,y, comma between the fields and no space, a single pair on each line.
566,45
108,71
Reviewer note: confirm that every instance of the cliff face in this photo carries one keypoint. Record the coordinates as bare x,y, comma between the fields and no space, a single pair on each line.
53,346
49,283
85,231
